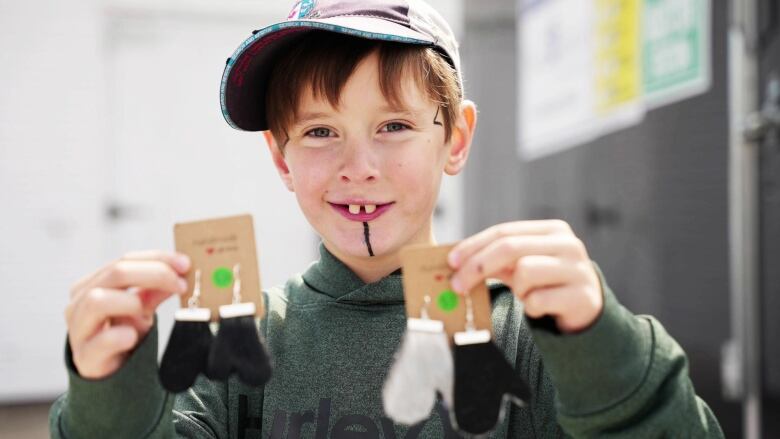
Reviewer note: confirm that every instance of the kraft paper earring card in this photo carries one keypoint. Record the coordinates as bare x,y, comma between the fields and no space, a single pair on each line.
426,272
215,247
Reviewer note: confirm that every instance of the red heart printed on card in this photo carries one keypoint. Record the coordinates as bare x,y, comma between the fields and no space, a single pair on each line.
210,250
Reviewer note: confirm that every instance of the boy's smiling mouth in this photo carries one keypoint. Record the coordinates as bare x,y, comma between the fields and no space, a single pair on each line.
359,210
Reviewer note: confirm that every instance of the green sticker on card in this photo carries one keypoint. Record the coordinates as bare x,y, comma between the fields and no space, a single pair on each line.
222,277
447,300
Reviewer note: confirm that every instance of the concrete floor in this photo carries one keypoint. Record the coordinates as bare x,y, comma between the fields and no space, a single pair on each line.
30,421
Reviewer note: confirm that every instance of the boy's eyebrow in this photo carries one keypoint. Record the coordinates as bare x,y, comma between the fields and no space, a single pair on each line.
309,116
313,115
401,111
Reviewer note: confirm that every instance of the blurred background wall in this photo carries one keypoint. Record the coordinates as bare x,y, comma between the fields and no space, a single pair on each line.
652,194
649,200
110,132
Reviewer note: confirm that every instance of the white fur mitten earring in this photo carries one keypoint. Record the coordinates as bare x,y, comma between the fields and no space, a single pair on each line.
423,366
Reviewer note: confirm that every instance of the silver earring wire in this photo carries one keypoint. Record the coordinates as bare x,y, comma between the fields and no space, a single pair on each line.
469,314
424,310
236,283
194,300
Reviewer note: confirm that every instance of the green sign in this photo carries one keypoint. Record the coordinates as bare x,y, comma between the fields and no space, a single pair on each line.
675,48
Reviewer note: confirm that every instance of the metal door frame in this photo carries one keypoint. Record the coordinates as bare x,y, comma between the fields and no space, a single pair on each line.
742,372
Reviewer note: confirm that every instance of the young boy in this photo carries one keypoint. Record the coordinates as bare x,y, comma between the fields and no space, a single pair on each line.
362,107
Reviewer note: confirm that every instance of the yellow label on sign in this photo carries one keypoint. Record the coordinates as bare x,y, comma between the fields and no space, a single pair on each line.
617,58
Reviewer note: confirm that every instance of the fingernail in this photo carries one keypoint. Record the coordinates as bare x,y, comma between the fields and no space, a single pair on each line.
456,285
182,285
147,319
182,262
453,258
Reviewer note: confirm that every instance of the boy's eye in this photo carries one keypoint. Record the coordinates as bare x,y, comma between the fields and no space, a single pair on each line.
394,126
319,132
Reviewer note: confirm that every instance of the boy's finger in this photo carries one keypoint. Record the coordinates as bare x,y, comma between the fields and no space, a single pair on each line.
178,261
97,305
142,322
104,353
151,299
145,274
467,247
533,272
505,252
552,301
111,341
566,304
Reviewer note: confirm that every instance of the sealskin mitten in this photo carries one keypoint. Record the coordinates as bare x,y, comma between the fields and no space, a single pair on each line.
237,348
187,352
483,378
423,366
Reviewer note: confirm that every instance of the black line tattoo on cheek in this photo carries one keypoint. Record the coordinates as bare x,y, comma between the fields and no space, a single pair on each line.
366,236
435,116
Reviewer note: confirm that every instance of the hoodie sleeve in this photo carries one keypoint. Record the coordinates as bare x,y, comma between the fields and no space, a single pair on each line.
625,376
131,403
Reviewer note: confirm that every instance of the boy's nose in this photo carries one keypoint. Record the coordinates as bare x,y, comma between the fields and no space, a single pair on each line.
359,165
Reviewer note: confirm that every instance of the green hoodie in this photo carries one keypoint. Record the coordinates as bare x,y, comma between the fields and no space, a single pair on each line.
332,338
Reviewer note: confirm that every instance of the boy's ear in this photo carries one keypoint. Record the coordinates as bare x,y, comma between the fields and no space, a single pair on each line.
462,135
278,158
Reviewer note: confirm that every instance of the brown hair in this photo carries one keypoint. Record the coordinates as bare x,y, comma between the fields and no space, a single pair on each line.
325,61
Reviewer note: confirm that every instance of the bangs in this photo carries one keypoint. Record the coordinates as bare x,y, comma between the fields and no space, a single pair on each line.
324,61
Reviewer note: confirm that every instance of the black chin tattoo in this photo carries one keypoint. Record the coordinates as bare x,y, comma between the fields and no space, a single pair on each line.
368,241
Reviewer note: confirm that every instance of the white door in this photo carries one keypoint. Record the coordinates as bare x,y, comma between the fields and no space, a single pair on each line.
174,157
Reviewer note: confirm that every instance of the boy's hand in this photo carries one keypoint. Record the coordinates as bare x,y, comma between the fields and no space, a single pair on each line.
544,263
106,321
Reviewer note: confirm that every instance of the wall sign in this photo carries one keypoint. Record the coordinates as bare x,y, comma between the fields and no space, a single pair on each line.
591,67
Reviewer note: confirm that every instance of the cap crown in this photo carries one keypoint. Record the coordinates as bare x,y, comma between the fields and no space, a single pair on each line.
242,90
414,14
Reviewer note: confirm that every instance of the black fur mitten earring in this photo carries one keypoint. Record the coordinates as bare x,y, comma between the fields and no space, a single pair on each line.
483,378
423,366
237,347
187,352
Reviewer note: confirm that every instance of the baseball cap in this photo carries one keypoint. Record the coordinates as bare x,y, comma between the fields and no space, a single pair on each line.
244,81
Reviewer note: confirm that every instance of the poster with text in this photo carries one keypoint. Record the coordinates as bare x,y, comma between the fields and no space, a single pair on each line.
591,67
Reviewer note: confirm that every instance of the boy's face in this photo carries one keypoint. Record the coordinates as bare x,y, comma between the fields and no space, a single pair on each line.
366,153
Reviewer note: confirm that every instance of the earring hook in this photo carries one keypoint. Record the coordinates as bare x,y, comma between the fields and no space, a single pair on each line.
194,300
236,283
470,326
426,304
